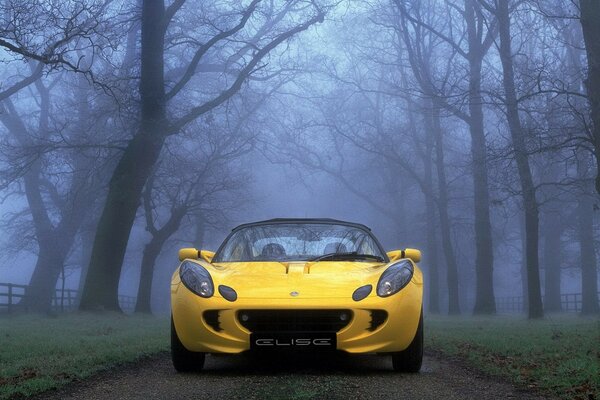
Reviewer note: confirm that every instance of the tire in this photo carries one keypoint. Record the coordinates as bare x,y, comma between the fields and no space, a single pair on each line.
410,360
183,359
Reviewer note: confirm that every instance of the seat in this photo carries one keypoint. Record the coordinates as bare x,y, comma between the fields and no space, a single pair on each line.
272,250
335,247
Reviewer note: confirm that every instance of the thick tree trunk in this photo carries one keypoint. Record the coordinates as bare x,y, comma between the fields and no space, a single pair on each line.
446,233
38,295
552,260
42,285
54,242
590,15
589,263
530,205
124,193
485,302
87,243
132,171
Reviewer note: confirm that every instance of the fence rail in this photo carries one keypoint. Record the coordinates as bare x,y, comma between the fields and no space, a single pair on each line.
569,302
67,300
63,300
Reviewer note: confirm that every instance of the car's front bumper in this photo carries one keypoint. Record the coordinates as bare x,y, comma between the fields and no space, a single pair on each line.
394,334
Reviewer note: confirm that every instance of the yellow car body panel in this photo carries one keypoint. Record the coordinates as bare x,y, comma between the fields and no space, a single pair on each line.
316,285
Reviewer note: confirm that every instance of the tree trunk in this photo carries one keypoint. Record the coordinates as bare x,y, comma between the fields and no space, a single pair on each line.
42,284
525,303
54,242
151,253
144,296
552,261
124,193
530,205
590,15
589,263
450,257
432,244
132,171
87,234
484,260
432,259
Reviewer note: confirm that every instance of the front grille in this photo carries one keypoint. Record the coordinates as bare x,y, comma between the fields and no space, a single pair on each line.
294,320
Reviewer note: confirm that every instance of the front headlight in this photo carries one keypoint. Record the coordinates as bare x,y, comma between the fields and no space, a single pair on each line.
196,278
394,278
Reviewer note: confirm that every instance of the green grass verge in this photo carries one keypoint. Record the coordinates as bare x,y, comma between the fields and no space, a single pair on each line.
41,353
558,355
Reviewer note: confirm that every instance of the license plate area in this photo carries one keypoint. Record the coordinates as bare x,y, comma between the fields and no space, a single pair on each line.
297,341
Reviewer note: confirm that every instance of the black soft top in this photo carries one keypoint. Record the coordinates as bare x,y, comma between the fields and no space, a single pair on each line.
328,221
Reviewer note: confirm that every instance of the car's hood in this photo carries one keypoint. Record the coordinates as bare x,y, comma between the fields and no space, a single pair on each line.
323,279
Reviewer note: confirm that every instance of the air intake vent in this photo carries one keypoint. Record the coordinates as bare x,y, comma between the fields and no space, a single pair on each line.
211,317
294,320
378,317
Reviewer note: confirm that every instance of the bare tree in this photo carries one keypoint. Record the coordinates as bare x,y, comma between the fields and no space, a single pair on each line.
478,37
199,181
57,198
142,151
530,204
589,17
53,35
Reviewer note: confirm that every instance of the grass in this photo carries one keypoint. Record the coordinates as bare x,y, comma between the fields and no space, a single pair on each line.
41,353
559,355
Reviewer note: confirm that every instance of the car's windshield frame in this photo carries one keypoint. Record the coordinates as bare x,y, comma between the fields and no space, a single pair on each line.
363,229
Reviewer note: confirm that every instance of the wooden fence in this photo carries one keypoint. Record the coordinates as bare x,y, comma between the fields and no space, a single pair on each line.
67,300
570,302
63,301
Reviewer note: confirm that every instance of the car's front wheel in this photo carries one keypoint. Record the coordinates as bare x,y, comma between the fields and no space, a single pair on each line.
410,360
183,359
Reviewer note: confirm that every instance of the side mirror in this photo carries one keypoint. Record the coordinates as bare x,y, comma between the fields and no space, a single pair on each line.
394,255
413,254
188,252
194,254
207,255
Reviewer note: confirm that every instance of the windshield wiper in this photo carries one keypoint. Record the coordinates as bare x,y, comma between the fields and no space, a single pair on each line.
352,256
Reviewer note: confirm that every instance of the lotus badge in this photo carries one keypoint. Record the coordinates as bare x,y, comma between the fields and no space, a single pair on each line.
294,294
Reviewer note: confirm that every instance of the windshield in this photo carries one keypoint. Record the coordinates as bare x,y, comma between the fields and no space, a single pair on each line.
299,242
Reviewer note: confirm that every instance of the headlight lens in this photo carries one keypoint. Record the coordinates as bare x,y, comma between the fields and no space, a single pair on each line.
394,278
196,278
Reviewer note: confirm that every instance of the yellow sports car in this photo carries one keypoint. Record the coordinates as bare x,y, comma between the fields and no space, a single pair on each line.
298,284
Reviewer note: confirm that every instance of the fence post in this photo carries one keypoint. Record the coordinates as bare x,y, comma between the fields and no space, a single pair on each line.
69,300
10,298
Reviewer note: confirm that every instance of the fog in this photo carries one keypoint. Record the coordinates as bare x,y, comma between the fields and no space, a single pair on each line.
468,129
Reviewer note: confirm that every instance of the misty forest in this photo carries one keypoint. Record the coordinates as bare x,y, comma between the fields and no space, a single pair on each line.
469,129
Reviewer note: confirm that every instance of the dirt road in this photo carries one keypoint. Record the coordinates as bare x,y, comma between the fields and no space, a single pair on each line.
291,377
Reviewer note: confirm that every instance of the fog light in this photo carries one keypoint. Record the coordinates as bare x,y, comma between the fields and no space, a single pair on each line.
343,317
244,317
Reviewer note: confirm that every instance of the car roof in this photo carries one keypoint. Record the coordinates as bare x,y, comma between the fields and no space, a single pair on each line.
302,221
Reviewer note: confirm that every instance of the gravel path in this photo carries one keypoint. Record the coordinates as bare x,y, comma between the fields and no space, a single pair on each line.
291,377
